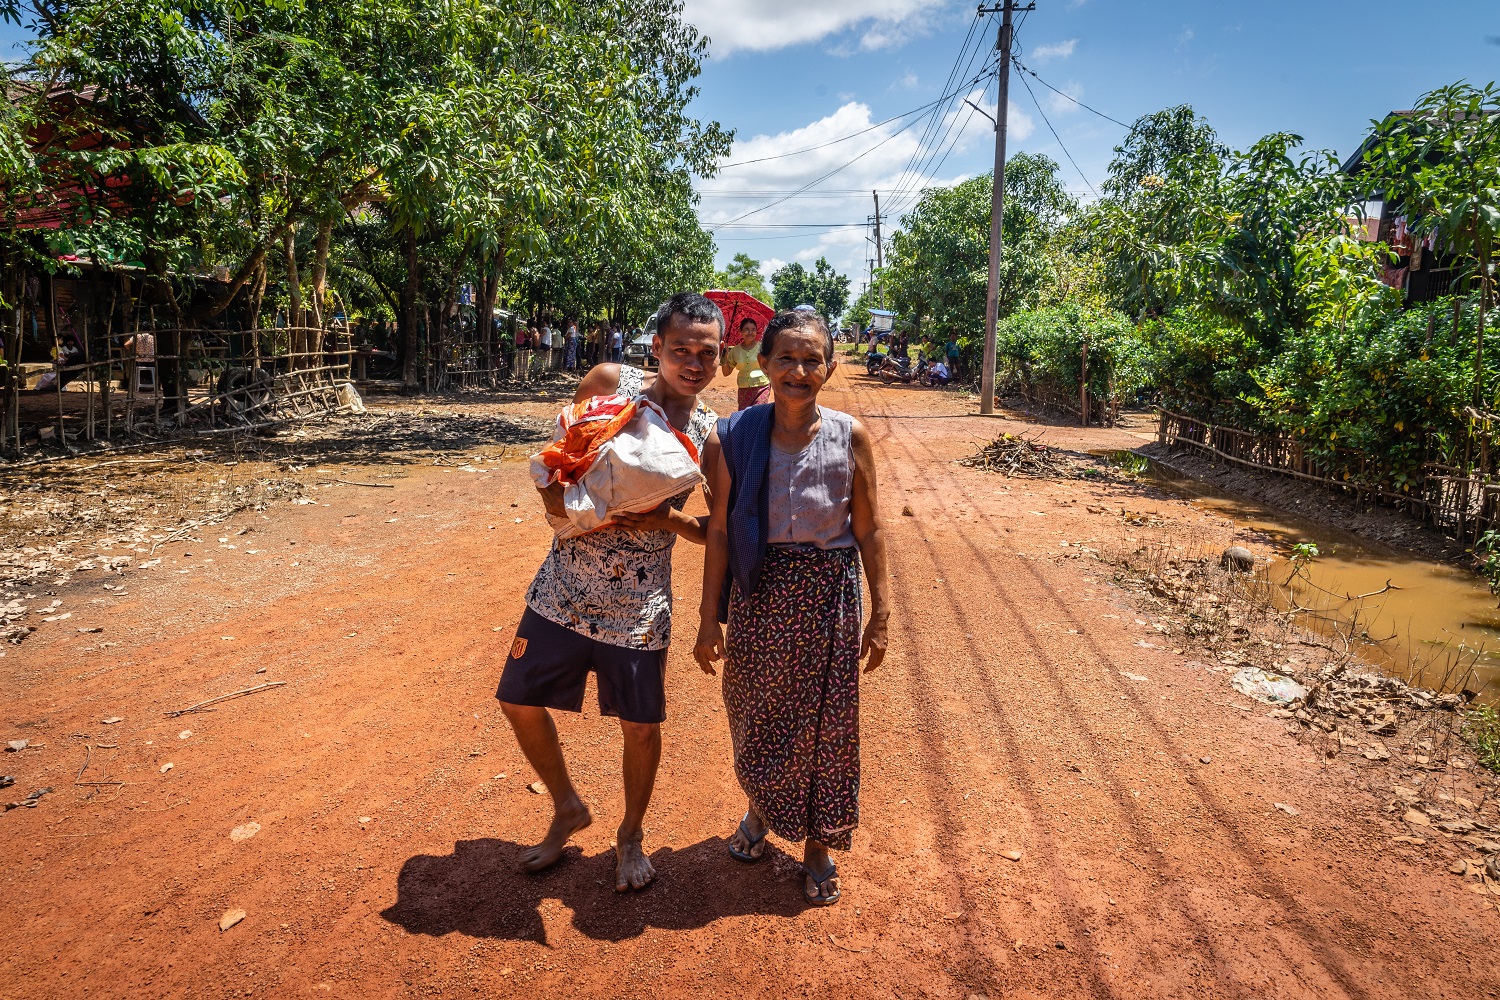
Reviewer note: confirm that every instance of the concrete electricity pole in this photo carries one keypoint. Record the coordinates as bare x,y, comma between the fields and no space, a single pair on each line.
878,261
997,204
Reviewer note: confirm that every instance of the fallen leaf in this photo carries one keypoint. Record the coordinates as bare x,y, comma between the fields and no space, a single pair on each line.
112,720
907,512
1012,855
230,918
538,787
244,831
165,768
186,733
1289,810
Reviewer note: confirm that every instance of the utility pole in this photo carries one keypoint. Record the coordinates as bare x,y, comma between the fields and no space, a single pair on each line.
997,203
878,261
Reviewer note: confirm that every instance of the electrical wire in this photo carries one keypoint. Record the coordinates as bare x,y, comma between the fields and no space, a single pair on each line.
913,182
830,142
931,127
1056,136
1025,69
841,167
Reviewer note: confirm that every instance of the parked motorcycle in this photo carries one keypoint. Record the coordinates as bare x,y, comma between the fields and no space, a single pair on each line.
899,369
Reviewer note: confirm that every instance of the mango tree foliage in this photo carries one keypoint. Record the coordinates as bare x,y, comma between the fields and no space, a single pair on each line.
938,267
1440,165
823,288
1164,176
743,274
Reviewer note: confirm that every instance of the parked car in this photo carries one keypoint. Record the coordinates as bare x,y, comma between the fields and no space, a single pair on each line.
638,351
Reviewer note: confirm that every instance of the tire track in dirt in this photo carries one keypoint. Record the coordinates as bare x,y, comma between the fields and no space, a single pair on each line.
1327,965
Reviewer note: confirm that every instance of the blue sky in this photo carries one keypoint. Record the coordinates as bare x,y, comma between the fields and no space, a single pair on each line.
787,74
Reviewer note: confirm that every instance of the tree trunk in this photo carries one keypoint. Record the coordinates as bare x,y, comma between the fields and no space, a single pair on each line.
258,294
496,268
320,270
409,292
296,342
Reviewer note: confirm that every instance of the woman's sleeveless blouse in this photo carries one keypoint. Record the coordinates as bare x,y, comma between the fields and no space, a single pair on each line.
808,494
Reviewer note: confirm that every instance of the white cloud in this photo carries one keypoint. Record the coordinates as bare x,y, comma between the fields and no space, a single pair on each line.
770,266
893,163
908,80
765,25
1061,50
1185,36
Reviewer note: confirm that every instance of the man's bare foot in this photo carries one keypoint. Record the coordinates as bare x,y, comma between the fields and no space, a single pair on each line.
632,868
568,820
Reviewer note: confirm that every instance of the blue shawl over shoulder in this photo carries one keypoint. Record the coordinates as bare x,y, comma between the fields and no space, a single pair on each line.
745,438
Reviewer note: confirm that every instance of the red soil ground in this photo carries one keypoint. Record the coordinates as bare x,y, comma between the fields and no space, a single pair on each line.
392,801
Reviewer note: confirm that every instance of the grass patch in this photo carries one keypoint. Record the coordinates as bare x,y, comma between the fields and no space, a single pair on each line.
1482,732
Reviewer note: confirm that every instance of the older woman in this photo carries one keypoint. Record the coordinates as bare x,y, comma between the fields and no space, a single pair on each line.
793,517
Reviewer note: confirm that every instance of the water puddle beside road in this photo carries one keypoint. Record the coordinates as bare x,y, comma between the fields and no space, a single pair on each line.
1442,626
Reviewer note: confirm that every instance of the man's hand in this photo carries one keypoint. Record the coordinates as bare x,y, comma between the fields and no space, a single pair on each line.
659,518
552,499
709,649
873,643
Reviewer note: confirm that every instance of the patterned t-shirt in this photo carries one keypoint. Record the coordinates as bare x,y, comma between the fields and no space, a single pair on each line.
615,585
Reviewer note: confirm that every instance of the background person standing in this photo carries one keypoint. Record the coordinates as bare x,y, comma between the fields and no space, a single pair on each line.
744,357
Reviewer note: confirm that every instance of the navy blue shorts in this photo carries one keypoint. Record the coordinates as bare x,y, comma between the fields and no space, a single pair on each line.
549,666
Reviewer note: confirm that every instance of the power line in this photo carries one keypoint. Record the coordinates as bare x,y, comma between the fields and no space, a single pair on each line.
1056,136
841,167
831,142
914,186
792,225
1070,97
931,127
914,174
731,238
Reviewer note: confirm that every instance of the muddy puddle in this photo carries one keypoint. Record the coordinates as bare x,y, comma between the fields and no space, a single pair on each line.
1441,628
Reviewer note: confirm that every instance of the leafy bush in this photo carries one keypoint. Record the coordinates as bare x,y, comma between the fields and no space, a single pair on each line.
1043,348
1378,402
1482,732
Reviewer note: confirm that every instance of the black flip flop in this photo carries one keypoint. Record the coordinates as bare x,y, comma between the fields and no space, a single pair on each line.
818,899
741,856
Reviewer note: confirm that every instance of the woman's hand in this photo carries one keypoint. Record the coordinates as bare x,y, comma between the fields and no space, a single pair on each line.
552,499
873,643
709,648
659,518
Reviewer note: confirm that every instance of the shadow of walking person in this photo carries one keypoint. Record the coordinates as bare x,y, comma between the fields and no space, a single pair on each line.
480,891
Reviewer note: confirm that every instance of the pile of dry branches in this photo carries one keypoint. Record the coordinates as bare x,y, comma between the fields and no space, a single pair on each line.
1014,455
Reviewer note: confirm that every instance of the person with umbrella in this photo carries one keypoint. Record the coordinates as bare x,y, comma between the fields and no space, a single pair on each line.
744,357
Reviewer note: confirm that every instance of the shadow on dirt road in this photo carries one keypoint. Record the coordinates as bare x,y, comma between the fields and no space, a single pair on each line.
480,891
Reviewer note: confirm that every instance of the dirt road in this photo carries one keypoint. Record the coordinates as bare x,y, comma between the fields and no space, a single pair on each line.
1025,707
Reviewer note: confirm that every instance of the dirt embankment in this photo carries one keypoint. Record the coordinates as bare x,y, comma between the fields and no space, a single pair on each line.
368,815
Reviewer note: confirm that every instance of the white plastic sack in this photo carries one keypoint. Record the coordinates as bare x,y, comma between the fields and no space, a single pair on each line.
641,466
1262,685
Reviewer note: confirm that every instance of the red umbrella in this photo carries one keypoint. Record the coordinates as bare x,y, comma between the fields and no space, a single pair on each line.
737,307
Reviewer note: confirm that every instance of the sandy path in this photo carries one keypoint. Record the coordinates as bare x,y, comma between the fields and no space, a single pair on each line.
1002,721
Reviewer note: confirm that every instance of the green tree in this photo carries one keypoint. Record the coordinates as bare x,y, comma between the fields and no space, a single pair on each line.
938,268
743,273
1163,180
791,286
830,290
1440,166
